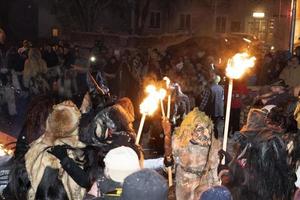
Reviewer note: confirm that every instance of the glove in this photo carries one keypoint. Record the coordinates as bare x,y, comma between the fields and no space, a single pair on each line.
169,161
59,151
225,154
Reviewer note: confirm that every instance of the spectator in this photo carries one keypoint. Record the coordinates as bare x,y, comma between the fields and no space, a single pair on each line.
34,66
216,193
145,184
239,93
291,73
218,101
119,163
50,56
204,101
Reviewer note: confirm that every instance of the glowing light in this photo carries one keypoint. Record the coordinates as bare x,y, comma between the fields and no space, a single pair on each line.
247,40
238,64
4,151
272,48
258,14
92,58
162,93
150,103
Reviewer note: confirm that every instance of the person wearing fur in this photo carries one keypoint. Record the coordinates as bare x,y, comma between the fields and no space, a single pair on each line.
47,177
195,154
259,169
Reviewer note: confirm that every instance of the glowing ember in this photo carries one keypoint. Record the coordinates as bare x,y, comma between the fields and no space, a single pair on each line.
4,151
238,64
150,103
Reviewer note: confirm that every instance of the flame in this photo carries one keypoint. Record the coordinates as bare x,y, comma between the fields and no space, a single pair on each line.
238,64
150,103
162,93
168,81
4,151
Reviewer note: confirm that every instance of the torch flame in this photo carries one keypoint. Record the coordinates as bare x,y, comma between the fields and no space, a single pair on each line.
150,103
162,93
238,64
168,81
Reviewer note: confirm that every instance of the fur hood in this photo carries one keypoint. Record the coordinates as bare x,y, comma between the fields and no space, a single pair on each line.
63,121
61,129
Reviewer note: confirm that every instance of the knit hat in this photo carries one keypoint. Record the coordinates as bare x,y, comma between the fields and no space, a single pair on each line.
265,92
63,120
255,120
145,184
279,82
121,162
216,193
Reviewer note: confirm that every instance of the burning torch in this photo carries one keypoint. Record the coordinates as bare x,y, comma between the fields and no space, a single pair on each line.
149,106
236,68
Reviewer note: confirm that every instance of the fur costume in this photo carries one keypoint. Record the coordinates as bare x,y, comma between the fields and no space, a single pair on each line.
61,129
260,170
195,154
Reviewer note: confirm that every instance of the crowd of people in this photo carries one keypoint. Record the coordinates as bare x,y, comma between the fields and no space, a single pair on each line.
78,139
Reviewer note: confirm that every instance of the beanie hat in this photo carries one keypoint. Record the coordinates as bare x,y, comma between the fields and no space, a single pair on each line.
121,162
63,120
216,193
255,120
145,184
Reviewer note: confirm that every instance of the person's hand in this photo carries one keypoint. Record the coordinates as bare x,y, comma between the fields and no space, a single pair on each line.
169,161
225,154
166,125
59,151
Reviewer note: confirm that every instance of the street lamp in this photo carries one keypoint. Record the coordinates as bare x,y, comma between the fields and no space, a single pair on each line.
258,14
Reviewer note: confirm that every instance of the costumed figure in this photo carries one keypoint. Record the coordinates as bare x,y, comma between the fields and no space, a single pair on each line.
181,104
259,169
47,174
195,154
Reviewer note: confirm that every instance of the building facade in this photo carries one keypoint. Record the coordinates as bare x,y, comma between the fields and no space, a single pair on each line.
268,20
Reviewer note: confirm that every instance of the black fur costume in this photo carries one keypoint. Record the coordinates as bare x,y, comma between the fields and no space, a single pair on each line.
260,170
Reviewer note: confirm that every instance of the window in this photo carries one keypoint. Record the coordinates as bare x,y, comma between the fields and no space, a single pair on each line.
154,20
185,21
55,32
235,26
221,24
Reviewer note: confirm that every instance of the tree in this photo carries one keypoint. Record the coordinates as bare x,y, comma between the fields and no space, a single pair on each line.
80,14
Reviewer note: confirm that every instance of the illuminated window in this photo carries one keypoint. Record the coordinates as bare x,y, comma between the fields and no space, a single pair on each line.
55,32
258,15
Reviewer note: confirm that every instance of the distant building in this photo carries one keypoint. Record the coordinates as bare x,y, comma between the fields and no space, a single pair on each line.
267,20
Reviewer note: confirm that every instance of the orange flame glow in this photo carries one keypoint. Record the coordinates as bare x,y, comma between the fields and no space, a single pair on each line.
150,103
238,64
4,151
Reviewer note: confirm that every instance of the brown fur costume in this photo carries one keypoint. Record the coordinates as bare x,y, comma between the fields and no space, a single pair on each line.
195,153
61,128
